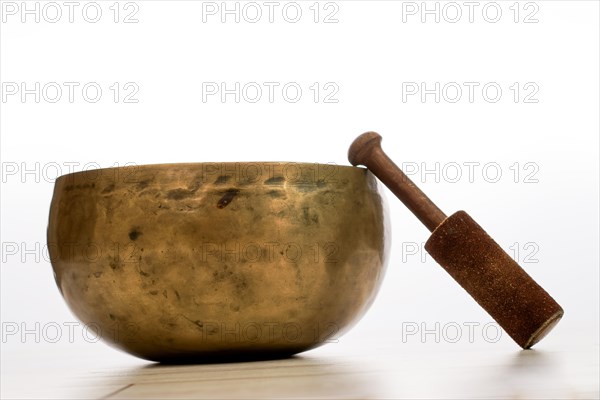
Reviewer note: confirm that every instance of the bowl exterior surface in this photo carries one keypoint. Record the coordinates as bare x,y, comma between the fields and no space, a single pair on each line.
173,262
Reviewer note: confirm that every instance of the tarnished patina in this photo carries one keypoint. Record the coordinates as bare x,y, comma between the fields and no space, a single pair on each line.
184,262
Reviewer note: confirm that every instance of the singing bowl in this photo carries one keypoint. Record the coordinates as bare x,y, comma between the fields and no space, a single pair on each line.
185,262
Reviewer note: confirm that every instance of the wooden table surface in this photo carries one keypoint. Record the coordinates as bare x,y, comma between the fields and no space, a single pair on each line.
361,365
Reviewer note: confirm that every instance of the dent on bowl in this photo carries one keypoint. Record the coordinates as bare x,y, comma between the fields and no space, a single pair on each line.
183,262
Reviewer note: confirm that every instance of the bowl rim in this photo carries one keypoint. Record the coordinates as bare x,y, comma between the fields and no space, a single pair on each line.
199,164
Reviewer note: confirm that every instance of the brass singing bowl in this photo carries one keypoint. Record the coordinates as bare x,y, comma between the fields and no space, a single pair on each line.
185,262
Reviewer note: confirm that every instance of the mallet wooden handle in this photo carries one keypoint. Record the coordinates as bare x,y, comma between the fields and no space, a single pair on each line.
366,150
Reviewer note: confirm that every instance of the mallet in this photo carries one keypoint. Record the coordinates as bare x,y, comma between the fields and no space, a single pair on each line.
523,309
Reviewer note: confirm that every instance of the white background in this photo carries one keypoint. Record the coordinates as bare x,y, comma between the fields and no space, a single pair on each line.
373,54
